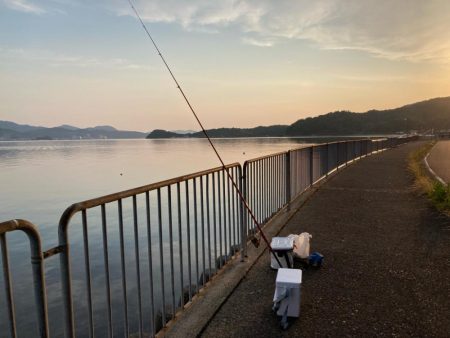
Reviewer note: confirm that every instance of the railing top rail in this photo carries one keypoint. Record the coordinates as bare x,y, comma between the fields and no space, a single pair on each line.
334,142
265,156
19,224
87,204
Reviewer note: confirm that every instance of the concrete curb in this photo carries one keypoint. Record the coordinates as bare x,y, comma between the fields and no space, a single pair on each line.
436,176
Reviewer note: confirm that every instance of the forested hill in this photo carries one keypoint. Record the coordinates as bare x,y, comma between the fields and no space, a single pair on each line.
433,114
422,116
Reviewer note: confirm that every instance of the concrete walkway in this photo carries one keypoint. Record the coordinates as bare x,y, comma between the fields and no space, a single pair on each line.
439,160
387,262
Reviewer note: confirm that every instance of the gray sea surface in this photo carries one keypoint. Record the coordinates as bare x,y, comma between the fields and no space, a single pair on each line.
40,179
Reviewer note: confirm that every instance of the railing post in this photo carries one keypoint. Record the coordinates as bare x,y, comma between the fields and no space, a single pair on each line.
242,214
346,152
311,165
37,264
328,159
8,287
66,279
337,155
288,179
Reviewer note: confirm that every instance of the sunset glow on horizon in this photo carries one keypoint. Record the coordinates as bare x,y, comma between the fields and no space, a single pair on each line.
242,63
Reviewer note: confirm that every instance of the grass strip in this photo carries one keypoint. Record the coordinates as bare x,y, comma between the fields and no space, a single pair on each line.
438,193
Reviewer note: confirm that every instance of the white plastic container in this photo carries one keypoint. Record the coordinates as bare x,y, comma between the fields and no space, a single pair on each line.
287,292
282,246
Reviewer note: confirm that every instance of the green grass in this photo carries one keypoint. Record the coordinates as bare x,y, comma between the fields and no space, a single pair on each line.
438,193
440,196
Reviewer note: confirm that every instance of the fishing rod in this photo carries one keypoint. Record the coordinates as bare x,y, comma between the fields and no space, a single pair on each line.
255,241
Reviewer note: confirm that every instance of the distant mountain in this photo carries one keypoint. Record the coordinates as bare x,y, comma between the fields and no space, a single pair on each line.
159,133
13,131
108,128
66,126
424,116
16,127
271,131
421,116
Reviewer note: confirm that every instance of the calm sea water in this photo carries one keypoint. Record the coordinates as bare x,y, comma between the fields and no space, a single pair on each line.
40,179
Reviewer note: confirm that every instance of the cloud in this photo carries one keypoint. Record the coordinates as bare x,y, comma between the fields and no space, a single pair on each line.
257,43
24,6
53,59
412,30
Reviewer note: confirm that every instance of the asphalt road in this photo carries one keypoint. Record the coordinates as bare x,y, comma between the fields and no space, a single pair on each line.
439,160
387,262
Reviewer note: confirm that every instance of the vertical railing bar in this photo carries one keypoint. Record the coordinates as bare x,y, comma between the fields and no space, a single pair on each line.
219,208
106,262
283,161
257,192
188,227
8,287
150,261
122,264
268,188
138,265
230,226
243,179
254,197
196,233
180,244
208,217
266,182
224,206
274,184
249,177
161,259
215,218
278,176
202,211
288,176
263,191
279,180
88,272
271,186
258,203
172,269
235,213
249,181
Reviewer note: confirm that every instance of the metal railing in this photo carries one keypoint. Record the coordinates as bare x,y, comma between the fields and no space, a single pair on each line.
199,213
37,264
156,246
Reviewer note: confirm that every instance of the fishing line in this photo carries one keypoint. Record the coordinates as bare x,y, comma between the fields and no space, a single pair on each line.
241,196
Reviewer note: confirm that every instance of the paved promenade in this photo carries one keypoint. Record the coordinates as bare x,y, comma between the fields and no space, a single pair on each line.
387,262
439,160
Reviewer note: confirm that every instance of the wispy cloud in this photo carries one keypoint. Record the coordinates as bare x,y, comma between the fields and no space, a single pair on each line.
412,30
257,42
53,59
24,6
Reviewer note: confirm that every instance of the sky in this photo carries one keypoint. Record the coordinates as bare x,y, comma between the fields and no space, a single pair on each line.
241,63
